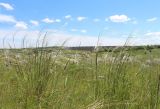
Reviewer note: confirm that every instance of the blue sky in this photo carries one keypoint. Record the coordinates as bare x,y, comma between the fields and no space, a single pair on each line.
83,19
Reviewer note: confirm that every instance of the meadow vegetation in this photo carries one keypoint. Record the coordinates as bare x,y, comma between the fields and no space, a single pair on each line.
39,78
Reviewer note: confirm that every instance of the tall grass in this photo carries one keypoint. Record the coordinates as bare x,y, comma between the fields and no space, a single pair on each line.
43,78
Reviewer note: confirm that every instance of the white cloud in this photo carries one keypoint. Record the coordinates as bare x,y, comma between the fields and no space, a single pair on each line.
119,18
84,31
47,20
58,20
34,22
96,20
69,17
11,19
7,19
152,34
21,25
6,6
152,19
74,30
80,18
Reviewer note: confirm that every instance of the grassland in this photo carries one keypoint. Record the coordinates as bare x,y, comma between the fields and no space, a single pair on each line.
73,79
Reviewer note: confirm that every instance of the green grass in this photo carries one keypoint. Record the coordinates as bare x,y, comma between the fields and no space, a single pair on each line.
66,79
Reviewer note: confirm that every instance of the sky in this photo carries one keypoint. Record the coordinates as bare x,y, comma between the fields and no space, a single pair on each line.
80,22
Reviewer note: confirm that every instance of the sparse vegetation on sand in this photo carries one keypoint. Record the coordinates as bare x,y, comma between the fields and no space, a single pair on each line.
72,79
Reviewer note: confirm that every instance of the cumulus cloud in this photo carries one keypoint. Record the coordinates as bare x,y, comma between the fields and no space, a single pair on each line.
84,31
58,20
119,18
80,18
69,17
21,25
78,30
34,22
7,19
152,34
152,19
48,20
11,19
74,30
6,6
